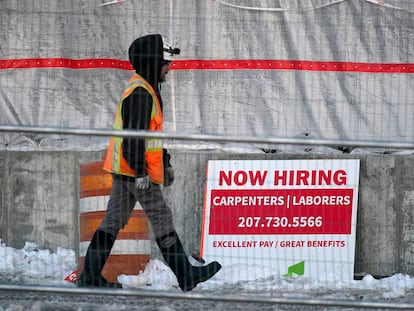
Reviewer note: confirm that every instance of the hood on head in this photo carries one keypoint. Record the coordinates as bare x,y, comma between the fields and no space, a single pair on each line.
146,56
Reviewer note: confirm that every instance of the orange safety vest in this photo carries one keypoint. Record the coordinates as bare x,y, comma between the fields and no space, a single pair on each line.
114,160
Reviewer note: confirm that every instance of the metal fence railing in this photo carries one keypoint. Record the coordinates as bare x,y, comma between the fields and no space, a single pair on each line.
210,138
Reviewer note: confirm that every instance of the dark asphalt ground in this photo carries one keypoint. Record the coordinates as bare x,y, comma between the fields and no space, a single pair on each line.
38,298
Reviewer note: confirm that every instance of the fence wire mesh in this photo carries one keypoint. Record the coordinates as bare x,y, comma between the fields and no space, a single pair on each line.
290,130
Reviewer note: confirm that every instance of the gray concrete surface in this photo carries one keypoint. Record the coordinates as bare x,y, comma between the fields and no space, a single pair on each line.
39,195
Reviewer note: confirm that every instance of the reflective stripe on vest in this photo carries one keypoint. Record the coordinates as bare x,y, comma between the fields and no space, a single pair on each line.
114,160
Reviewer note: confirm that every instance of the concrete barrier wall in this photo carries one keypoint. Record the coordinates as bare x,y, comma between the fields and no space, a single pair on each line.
39,195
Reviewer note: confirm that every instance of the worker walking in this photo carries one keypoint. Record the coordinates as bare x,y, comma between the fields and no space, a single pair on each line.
139,167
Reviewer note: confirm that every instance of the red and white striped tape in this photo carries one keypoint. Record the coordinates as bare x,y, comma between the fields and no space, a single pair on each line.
196,64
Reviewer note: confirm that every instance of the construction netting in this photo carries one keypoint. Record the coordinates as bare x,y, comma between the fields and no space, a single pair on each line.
334,69
339,70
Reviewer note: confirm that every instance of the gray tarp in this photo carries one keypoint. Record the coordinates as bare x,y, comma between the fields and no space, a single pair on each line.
324,104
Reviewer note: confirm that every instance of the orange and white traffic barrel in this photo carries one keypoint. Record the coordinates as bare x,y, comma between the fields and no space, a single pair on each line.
132,248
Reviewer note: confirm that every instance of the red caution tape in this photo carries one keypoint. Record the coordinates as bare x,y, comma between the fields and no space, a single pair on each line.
263,64
252,64
91,63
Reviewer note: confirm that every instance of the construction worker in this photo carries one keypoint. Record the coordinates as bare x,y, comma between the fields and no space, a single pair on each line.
139,167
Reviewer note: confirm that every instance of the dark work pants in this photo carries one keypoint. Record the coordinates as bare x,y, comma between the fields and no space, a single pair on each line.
122,201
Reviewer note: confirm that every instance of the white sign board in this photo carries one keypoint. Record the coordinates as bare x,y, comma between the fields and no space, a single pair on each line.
290,217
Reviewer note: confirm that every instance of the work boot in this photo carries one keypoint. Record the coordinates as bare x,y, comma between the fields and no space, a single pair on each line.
95,259
188,276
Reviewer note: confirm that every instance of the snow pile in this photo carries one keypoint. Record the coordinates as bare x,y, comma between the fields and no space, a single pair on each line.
31,265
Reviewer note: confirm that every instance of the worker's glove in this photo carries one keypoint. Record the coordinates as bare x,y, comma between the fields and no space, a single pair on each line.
168,176
142,183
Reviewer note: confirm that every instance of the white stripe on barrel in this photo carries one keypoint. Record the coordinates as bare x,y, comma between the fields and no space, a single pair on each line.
132,249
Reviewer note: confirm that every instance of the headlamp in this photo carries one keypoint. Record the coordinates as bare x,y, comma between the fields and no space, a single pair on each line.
169,52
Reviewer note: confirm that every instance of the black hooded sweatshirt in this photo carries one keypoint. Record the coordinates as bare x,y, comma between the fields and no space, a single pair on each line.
146,56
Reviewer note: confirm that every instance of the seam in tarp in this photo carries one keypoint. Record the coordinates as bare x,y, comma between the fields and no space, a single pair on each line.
387,5
377,2
277,9
111,2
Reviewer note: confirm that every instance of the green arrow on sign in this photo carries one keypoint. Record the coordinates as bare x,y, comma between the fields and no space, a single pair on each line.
297,268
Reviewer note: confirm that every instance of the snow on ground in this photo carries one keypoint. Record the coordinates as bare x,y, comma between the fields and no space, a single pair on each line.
31,265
